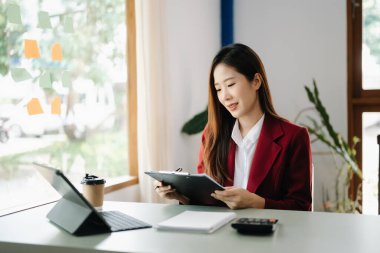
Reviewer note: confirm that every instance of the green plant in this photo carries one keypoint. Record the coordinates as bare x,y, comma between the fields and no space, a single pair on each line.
324,132
10,41
3,45
196,124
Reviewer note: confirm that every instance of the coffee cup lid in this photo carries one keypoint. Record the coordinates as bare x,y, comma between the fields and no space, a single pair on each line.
92,180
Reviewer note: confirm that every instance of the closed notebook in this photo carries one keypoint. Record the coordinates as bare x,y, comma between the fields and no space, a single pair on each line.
196,221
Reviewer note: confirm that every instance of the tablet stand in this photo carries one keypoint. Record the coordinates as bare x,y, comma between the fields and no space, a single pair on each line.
76,219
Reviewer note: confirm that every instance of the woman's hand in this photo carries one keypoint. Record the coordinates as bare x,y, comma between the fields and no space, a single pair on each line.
166,191
237,198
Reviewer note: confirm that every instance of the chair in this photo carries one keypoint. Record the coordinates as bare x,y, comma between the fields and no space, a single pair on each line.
378,184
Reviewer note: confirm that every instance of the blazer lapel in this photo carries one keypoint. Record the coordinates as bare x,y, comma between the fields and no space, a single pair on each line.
266,152
231,164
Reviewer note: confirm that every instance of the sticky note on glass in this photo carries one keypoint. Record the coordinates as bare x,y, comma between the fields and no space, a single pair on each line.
68,25
56,105
44,20
45,80
34,107
56,52
20,74
55,72
31,49
66,79
14,14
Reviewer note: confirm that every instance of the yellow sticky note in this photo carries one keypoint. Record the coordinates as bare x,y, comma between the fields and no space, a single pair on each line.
56,52
56,105
31,49
34,107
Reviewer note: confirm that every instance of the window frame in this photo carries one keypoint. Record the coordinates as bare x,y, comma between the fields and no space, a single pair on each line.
133,177
358,100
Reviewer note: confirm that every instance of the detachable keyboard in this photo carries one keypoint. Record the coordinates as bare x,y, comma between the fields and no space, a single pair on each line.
119,221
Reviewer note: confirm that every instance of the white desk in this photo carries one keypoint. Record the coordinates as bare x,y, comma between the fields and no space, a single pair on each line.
30,231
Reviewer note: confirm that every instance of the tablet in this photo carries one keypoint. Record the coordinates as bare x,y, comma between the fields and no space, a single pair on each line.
197,187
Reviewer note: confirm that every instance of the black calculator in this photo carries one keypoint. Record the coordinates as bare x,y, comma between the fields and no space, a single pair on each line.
255,225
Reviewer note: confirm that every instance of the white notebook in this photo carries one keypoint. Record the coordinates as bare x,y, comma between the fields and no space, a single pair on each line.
195,221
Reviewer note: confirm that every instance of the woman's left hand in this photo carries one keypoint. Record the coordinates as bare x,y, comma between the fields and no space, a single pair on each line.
237,198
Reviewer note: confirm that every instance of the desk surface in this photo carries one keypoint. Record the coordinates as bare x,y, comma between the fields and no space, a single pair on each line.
30,231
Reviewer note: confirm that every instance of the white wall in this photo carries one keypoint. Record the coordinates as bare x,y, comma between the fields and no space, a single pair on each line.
193,28
299,41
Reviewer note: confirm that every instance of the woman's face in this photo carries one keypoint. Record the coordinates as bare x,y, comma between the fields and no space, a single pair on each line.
235,92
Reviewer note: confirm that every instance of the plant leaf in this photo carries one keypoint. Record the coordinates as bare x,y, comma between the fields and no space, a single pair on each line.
196,124
333,140
310,95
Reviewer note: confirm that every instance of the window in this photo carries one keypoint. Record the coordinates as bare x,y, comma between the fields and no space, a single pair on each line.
364,92
67,97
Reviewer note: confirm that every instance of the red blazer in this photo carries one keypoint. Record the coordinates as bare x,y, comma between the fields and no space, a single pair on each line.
281,167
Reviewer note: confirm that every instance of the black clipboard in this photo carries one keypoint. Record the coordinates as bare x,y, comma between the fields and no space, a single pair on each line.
197,187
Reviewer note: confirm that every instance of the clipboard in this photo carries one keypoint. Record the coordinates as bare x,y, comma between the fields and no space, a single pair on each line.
197,187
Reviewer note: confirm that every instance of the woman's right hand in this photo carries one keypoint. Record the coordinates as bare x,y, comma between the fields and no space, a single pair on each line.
168,192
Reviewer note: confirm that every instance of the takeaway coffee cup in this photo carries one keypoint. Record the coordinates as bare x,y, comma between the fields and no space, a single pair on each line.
93,190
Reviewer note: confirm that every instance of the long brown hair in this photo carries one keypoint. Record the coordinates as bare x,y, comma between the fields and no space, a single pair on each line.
220,122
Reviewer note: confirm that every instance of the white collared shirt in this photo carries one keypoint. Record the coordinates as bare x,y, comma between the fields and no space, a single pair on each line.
245,150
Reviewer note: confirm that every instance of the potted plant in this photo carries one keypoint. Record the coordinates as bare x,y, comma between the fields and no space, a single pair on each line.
323,131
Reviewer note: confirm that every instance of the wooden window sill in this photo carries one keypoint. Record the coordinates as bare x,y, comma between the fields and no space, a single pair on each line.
118,183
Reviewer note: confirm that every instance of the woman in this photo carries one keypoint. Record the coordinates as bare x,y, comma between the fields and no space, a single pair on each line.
263,161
